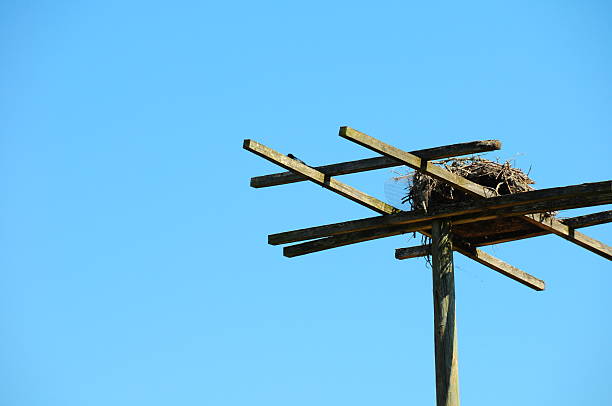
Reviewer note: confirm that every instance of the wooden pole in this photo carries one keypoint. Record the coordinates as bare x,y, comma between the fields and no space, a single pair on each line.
445,331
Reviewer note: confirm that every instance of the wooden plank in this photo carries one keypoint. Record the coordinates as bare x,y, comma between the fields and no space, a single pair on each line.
415,162
413,252
478,256
445,327
462,247
572,222
341,240
319,177
361,165
469,187
536,201
588,220
423,224
500,266
570,234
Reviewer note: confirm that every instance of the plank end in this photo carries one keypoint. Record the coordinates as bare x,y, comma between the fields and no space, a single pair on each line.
495,144
288,252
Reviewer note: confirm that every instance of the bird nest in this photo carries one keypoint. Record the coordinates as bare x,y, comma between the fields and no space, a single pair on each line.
425,193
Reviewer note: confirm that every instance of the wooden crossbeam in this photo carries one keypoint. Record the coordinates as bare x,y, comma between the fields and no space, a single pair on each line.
381,162
570,234
572,222
319,177
341,240
336,186
536,201
586,220
422,223
458,182
413,252
415,162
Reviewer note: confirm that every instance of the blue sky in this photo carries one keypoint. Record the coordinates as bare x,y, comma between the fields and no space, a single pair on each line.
134,266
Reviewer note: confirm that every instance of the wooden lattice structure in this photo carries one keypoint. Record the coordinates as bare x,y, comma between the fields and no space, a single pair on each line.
526,211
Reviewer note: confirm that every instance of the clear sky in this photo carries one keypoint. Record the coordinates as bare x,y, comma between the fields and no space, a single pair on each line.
134,266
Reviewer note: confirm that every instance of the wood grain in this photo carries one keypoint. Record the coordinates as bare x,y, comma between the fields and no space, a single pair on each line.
445,327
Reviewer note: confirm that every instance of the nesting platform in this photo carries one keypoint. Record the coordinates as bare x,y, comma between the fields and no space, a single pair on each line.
425,193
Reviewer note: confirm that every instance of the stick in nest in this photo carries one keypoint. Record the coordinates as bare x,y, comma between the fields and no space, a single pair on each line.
424,191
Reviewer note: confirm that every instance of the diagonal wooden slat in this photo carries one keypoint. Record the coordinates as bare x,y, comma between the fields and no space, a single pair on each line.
338,187
415,162
572,222
479,256
500,266
554,226
319,177
381,162
543,200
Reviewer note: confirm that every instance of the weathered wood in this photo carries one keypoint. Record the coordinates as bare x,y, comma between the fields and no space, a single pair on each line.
500,266
536,201
421,223
469,187
318,177
294,165
572,222
479,256
445,327
413,252
341,240
366,235
570,234
415,162
588,220
368,164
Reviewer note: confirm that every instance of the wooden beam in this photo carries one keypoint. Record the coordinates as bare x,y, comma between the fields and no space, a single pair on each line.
468,186
319,177
588,220
572,222
478,256
461,247
422,225
570,234
361,165
415,162
413,252
500,266
536,201
445,327
341,240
